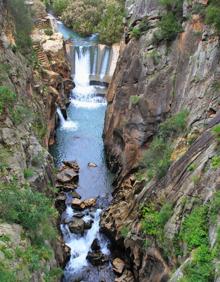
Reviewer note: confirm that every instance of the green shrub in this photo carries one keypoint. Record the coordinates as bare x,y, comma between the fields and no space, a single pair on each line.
136,32
215,162
155,55
191,168
216,132
215,206
165,213
134,99
157,158
7,98
124,231
23,24
4,71
169,27
94,16
33,210
21,114
6,274
195,230
110,27
173,125
48,31
212,15
153,221
53,274
39,127
59,6
33,256
28,172
201,268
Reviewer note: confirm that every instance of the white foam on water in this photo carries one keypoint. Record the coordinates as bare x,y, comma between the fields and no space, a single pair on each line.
80,245
84,94
66,124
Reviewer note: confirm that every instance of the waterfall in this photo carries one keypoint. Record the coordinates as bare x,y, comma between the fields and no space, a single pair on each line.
61,117
81,246
84,94
105,63
82,66
66,124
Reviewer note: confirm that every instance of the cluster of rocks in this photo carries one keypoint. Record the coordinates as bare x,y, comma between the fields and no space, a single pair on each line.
82,220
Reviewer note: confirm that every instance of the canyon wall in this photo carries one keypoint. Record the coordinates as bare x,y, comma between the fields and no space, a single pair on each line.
153,82
32,83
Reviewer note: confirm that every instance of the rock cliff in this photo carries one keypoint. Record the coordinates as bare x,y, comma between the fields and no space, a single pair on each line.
33,82
157,79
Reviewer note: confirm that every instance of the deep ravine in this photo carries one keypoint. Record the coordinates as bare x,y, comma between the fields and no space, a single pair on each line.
79,138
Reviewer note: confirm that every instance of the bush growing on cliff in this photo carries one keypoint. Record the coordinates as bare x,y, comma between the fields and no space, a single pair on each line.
194,232
170,23
157,158
216,132
169,27
173,125
23,24
212,14
154,220
7,99
33,210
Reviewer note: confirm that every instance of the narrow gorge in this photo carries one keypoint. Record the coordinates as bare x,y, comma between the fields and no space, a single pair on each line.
109,140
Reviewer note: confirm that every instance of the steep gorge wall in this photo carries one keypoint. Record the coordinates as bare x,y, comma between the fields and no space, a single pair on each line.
165,78
40,80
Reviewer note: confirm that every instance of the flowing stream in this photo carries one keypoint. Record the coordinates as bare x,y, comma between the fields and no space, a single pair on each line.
79,138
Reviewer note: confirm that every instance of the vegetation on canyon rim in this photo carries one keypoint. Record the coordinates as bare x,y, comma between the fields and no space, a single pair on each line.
170,24
93,16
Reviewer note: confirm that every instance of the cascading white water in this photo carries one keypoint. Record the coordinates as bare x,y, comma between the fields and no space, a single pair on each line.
105,63
94,66
61,117
66,124
80,245
84,94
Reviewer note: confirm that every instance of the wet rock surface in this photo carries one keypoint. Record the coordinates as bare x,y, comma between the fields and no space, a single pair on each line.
77,226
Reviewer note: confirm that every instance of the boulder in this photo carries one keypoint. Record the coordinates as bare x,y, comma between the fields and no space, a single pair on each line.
74,194
67,175
89,202
78,204
60,202
67,187
92,164
118,265
77,226
126,277
78,215
96,258
95,245
72,164
88,224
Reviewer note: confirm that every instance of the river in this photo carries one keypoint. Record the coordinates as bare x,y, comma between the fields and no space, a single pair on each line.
79,138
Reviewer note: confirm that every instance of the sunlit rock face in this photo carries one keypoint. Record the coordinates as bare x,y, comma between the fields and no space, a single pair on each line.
165,78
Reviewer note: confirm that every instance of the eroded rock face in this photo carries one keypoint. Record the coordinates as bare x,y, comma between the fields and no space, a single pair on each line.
24,138
165,80
182,72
